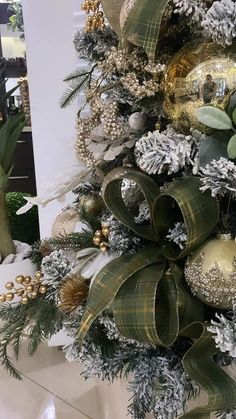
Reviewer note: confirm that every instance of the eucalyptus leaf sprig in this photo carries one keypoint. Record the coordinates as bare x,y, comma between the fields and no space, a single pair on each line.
218,119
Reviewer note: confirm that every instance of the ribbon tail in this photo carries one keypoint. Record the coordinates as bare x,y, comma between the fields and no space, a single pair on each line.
200,365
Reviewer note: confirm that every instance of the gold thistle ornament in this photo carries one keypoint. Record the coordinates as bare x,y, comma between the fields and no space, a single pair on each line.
72,293
211,272
30,288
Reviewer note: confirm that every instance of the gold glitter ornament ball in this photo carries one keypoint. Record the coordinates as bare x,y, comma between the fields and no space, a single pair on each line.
211,272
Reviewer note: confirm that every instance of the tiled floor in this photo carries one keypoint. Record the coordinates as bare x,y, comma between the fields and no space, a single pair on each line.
51,389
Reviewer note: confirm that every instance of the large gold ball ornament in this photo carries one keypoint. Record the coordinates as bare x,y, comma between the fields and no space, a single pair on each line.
34,294
211,272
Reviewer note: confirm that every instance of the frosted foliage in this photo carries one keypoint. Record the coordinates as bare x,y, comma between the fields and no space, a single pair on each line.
178,235
220,21
219,177
144,213
193,8
166,151
160,386
224,332
55,267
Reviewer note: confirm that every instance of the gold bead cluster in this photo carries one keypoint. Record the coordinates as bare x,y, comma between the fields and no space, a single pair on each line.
96,19
112,129
148,88
30,288
101,237
83,130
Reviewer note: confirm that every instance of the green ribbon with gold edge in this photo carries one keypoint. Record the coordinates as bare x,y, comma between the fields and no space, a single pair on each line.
137,21
151,302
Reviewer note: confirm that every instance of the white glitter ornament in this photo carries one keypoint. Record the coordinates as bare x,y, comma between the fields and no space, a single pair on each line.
211,272
137,121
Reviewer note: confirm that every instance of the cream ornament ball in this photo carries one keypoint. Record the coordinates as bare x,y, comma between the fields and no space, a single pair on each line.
211,272
137,121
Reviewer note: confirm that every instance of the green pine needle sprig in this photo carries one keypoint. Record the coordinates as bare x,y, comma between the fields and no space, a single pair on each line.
38,320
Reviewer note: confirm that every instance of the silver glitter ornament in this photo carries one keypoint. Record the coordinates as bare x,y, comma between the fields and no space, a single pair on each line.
211,272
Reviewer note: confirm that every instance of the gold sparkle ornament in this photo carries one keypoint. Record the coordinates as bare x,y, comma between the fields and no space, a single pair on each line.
211,272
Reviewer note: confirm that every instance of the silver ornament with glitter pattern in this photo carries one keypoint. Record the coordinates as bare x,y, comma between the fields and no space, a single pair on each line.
211,272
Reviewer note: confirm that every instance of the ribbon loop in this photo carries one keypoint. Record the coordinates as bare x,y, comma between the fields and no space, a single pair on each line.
183,201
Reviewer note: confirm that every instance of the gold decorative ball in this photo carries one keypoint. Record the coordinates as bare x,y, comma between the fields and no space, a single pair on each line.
2,298
211,272
103,247
98,233
9,296
92,204
38,275
25,300
43,289
20,292
9,285
30,288
34,294
96,241
106,231
27,280
19,279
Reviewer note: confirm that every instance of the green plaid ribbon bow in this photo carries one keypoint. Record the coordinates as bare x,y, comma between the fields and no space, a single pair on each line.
151,302
138,21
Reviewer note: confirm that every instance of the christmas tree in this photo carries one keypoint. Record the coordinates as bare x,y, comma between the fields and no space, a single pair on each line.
146,288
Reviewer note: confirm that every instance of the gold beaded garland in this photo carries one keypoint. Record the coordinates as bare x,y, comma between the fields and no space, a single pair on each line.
30,288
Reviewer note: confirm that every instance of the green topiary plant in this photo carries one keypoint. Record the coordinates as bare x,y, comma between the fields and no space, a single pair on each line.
9,134
25,227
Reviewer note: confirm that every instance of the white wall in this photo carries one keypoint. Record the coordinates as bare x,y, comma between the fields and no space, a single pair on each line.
49,31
